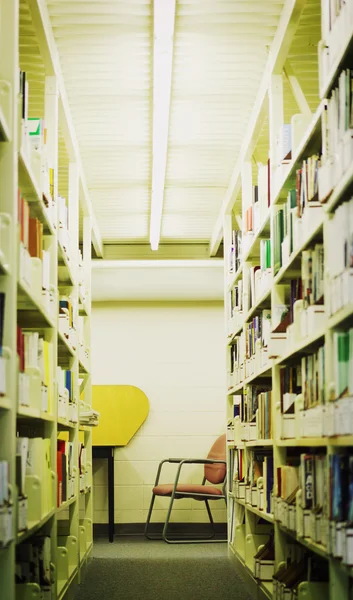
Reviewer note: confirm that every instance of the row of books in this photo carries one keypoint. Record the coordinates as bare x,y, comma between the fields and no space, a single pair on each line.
33,565
286,229
309,288
33,464
306,378
33,145
250,401
306,185
65,471
35,356
237,352
316,492
308,568
337,121
339,112
257,333
259,281
252,480
32,245
260,475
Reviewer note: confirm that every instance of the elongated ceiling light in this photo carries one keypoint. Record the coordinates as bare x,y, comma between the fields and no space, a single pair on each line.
163,33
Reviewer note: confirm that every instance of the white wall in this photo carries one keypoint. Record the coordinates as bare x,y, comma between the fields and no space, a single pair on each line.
175,353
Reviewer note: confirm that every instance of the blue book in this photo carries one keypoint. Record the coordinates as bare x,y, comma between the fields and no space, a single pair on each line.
269,482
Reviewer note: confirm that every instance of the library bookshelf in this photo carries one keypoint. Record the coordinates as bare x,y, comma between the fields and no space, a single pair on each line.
46,233
288,247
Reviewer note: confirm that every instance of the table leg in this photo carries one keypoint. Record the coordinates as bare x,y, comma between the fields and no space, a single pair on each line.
111,494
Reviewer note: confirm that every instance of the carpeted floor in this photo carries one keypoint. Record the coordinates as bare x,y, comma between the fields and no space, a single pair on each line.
138,569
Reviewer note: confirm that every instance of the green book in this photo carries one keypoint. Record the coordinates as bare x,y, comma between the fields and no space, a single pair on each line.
341,348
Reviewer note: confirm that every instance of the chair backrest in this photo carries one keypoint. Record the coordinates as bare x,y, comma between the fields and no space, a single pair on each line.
216,473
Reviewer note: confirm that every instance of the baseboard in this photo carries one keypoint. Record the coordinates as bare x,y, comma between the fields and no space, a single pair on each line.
100,529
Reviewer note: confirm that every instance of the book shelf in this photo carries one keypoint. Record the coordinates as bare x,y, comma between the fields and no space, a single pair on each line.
289,322
45,309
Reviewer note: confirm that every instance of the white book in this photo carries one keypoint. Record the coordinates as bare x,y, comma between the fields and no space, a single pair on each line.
35,457
31,339
22,451
45,270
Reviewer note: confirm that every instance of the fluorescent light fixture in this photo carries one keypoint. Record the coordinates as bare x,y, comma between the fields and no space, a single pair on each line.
164,19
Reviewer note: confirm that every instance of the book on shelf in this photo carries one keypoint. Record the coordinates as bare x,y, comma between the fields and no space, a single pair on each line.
32,248
67,405
296,218
82,466
33,464
290,387
65,471
264,560
342,364
300,567
330,11
33,564
313,378
313,477
337,123
257,333
256,398
264,416
313,275
68,319
284,144
237,352
339,257
259,479
238,465
235,255
235,299
6,511
35,364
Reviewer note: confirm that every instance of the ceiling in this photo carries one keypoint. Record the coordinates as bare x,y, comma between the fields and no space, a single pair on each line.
105,49
220,52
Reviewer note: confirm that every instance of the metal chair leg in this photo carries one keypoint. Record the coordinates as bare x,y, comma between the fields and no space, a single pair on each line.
149,518
210,518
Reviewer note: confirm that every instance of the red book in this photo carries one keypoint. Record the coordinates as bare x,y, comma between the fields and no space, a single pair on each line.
20,348
59,470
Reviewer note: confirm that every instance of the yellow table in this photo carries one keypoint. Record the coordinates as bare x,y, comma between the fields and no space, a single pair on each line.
123,409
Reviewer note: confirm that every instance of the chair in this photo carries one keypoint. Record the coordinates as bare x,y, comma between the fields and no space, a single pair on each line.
214,473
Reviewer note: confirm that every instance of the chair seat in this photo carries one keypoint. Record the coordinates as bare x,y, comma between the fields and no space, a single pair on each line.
187,489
